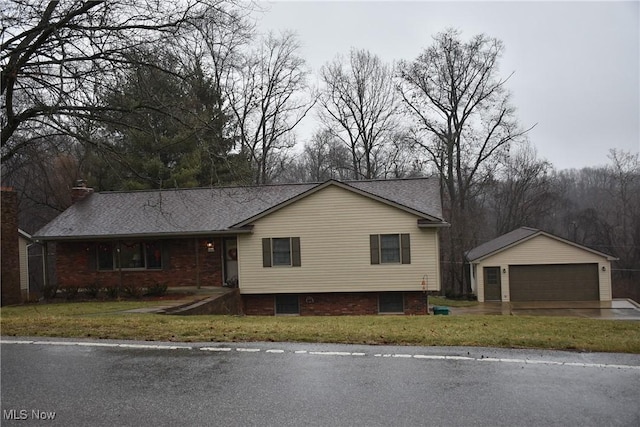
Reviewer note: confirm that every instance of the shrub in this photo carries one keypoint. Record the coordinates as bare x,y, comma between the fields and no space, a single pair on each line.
134,291
112,292
157,290
49,291
70,292
92,290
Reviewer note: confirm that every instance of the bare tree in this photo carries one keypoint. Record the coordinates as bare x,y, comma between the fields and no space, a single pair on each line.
43,175
523,193
57,55
600,208
464,121
268,100
220,38
360,107
325,157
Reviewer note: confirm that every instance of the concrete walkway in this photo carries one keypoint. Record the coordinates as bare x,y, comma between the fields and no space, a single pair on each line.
184,296
618,309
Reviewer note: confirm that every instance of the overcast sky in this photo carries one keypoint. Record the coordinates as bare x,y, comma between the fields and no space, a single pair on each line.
576,64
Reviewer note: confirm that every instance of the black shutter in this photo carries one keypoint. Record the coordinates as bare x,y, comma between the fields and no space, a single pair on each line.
296,260
405,245
374,243
266,252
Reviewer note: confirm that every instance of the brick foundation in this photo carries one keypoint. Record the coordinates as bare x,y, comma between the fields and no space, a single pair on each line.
332,304
76,266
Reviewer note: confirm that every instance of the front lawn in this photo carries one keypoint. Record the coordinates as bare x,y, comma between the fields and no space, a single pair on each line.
107,320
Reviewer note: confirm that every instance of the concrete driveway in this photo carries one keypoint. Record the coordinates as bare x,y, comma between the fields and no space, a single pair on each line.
618,309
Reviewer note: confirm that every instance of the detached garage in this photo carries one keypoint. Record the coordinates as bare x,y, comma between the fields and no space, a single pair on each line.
531,265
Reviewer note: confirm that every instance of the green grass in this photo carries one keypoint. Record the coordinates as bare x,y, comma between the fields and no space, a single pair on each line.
106,320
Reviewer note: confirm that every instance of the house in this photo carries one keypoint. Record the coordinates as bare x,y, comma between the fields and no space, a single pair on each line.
531,265
361,247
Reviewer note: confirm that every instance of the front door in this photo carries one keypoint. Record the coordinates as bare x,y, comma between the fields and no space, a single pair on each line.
492,290
231,262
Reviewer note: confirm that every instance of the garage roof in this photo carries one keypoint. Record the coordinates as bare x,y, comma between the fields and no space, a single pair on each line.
515,237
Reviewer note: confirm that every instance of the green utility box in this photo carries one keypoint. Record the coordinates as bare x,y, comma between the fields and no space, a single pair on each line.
438,309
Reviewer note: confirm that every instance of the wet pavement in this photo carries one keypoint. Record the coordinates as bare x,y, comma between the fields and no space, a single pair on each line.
618,309
128,383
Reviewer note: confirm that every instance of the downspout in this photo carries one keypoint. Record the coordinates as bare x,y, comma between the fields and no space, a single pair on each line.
45,266
28,275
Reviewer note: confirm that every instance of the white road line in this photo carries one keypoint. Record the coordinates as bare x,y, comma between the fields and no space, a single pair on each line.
459,358
98,344
428,356
54,343
330,353
155,346
327,353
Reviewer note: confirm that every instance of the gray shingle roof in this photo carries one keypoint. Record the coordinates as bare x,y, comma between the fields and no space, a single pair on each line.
515,236
206,210
500,242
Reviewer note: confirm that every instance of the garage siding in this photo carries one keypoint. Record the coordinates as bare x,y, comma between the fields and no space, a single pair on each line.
541,250
559,282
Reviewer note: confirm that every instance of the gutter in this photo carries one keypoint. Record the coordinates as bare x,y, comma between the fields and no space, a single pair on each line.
422,224
172,235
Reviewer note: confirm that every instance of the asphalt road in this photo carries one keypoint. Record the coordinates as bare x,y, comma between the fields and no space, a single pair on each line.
113,383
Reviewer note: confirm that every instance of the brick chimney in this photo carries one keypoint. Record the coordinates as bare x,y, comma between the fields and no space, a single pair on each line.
10,259
80,191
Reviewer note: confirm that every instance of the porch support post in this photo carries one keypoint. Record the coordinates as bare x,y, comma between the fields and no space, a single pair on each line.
118,247
197,263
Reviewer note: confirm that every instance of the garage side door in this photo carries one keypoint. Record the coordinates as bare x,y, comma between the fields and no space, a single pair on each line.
565,282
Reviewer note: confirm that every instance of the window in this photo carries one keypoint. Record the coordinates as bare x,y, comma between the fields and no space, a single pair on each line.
391,302
287,304
281,252
105,256
493,275
130,255
390,248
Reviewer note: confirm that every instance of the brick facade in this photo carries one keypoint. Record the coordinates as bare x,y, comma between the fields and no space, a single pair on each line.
9,255
332,304
76,266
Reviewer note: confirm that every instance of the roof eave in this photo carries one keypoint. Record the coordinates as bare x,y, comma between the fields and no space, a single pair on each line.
171,235
539,233
347,187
